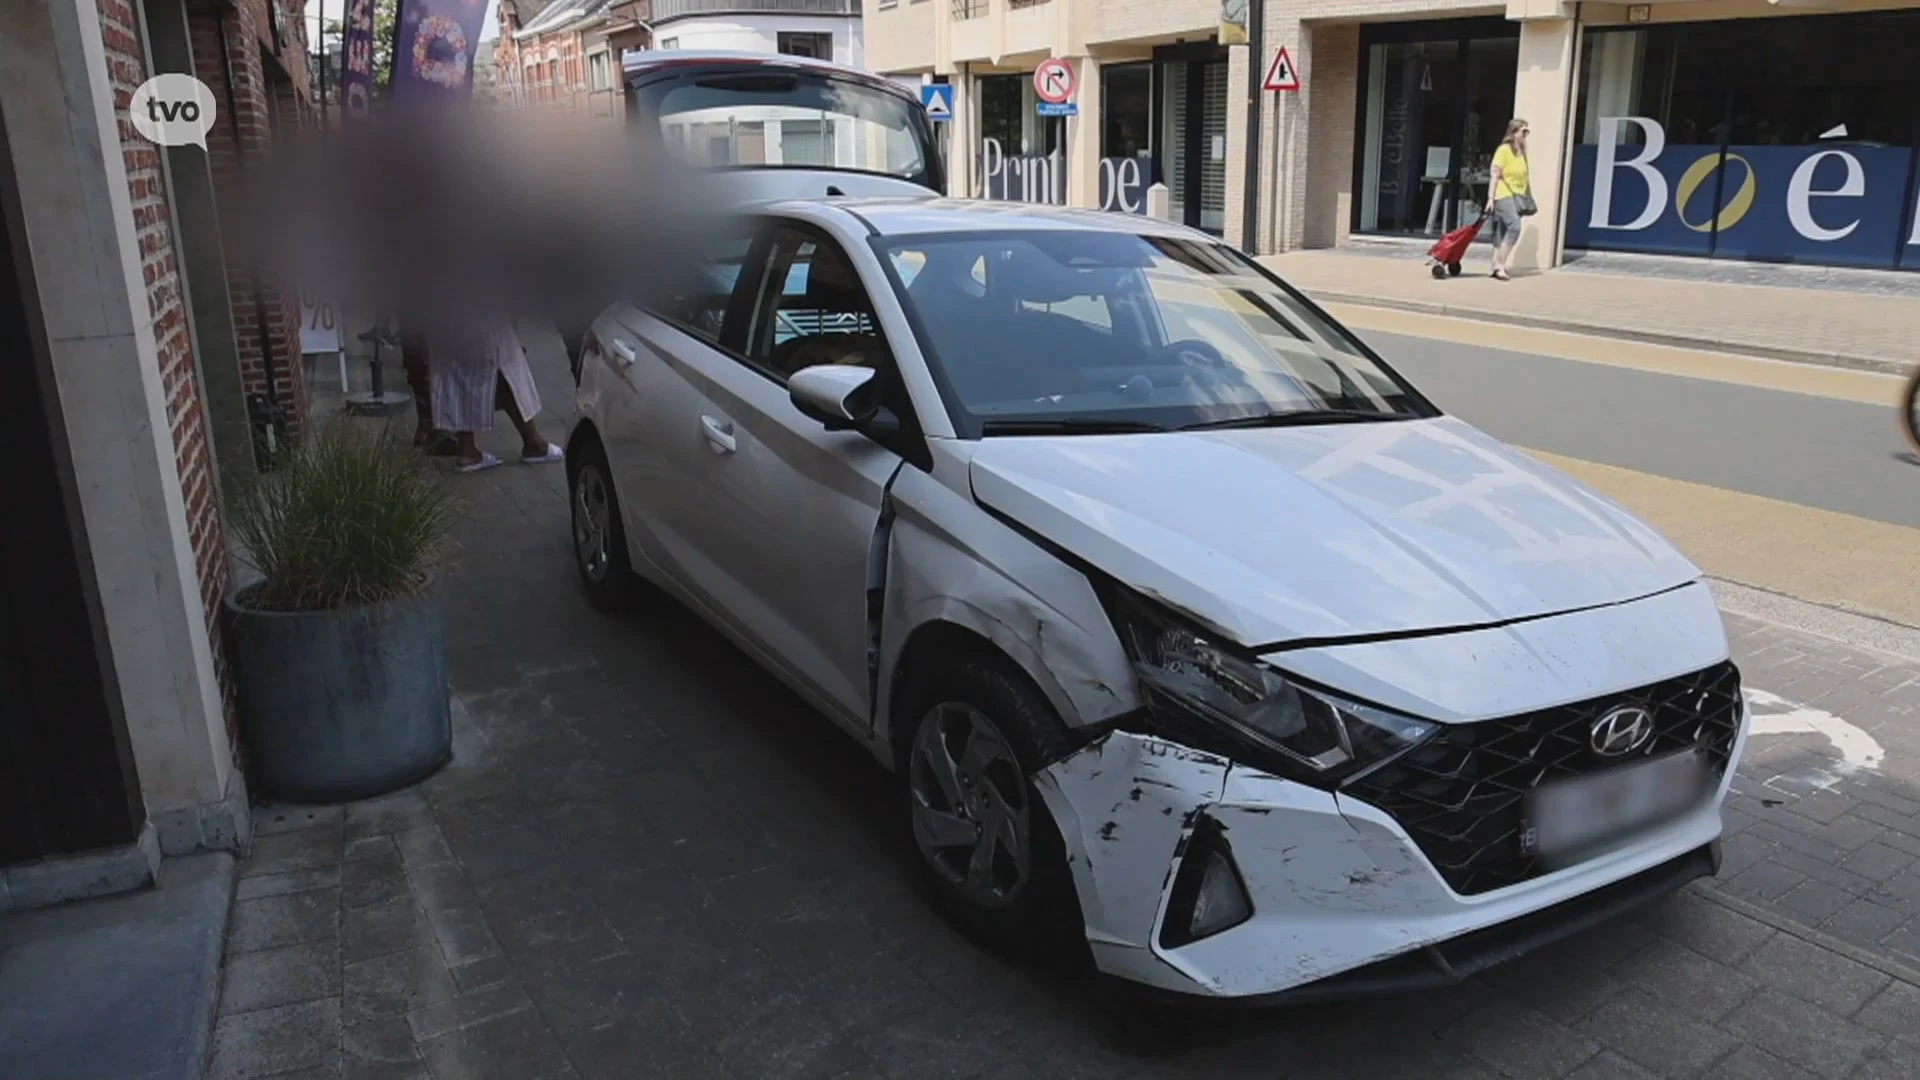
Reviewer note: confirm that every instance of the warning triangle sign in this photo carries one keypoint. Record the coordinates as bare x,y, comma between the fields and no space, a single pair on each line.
1282,75
938,109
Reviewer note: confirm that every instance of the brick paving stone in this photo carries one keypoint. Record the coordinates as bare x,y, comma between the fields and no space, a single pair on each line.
535,910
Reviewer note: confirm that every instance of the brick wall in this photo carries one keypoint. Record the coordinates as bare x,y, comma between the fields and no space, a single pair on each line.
258,76
1328,191
120,34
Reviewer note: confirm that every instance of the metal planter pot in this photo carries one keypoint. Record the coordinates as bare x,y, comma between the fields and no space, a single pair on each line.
341,705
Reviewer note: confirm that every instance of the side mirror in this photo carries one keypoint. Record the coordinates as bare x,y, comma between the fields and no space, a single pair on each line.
838,395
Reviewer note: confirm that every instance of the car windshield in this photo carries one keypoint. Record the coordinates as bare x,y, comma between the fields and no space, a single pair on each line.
791,120
1083,331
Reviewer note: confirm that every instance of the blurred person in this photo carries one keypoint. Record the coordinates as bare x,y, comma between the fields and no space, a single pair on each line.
413,357
478,368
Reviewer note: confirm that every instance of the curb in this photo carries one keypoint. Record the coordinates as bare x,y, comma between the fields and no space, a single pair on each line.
1891,968
1848,361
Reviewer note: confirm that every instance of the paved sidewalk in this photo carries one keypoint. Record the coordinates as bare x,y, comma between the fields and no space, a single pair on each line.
649,860
1825,326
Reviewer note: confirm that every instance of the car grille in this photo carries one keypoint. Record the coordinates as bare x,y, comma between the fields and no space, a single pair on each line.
1460,794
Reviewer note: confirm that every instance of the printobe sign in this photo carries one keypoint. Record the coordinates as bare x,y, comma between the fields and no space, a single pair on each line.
1842,204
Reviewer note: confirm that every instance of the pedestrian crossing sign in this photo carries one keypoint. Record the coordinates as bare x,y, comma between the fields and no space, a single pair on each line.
937,98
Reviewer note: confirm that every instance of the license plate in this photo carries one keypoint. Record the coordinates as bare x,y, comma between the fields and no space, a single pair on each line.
1569,815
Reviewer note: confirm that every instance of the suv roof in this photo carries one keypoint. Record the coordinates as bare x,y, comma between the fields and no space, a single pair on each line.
650,61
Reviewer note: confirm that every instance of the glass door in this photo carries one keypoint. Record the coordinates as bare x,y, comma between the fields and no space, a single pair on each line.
1192,151
1436,98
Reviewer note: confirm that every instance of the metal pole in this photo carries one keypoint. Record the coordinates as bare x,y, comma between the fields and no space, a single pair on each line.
1256,99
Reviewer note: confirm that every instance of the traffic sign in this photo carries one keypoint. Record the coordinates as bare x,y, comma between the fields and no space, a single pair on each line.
1282,75
937,99
1048,108
1053,81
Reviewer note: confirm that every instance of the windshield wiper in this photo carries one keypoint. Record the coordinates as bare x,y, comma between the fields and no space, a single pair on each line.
1070,425
1298,416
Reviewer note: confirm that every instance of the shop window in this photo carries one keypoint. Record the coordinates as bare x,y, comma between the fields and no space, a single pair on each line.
1780,139
814,46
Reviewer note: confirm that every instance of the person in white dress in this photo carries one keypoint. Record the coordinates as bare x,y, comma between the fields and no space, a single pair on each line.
475,372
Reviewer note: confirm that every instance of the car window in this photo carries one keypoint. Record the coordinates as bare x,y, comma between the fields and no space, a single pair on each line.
700,304
819,312
1151,331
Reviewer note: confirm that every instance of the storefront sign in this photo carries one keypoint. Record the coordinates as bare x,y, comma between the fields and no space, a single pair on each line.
1034,178
1123,185
1844,205
433,46
319,325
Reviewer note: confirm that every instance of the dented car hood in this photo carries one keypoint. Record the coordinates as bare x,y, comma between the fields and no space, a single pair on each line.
1276,536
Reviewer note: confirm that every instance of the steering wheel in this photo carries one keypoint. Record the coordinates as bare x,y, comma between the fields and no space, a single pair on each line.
1198,354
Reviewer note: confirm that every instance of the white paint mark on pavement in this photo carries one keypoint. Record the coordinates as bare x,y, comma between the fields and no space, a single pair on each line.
1775,715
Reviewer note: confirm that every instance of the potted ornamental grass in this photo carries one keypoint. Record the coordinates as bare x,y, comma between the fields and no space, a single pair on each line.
339,649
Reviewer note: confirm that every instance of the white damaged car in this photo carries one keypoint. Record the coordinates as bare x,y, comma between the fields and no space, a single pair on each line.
1188,625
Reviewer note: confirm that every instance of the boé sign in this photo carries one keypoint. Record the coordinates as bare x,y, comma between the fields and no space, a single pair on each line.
1837,204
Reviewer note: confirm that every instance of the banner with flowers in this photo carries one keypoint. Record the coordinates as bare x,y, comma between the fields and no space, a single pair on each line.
434,42
356,68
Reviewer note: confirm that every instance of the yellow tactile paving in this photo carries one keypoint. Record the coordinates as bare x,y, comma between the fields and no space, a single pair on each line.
1839,383
1819,556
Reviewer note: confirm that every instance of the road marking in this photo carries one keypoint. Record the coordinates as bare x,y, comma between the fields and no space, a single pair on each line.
1775,715
1836,560
1840,384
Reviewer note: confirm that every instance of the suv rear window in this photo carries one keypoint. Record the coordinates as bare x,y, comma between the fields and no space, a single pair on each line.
790,119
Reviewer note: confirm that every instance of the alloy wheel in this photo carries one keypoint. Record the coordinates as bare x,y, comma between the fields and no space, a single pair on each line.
972,818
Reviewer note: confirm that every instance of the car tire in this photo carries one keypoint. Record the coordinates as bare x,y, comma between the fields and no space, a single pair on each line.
1030,912
599,537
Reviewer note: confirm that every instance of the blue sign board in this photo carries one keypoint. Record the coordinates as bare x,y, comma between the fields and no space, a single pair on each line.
1048,108
937,99
1837,204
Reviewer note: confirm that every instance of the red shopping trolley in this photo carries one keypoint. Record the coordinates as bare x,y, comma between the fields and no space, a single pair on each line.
1446,254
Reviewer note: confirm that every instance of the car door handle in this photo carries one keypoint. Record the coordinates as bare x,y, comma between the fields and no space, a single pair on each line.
719,433
623,351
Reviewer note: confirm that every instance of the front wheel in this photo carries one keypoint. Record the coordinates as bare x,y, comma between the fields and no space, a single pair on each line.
987,845
599,538
1910,412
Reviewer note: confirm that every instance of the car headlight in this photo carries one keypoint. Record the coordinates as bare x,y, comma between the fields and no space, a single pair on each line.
1305,732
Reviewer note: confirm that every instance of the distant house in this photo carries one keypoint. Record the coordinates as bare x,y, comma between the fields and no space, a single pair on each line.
566,53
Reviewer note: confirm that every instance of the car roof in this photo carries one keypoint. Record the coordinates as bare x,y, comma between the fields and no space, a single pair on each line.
652,60
903,216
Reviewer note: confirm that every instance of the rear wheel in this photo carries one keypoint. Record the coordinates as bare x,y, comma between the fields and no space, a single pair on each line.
599,538
1453,269
987,845
1910,412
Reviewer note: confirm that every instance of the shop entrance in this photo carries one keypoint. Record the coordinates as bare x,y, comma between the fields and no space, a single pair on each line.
1191,93
1435,99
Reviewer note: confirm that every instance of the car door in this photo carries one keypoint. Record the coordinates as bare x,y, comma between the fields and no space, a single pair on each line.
788,509
662,359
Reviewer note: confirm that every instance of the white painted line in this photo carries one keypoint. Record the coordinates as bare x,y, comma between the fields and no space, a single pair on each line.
1859,751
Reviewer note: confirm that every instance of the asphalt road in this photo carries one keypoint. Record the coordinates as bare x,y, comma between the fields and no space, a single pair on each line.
1813,451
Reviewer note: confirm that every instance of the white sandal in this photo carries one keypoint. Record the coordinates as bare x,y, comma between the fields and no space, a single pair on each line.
553,454
487,461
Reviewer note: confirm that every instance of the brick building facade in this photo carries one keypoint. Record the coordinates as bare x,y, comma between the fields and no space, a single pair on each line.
566,53
155,362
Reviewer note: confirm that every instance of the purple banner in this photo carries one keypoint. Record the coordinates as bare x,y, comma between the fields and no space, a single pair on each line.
433,46
356,66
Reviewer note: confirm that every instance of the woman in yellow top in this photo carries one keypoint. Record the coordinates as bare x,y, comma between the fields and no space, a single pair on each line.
1508,196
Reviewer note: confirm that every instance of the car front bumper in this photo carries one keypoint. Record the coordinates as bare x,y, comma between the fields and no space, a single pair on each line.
1344,903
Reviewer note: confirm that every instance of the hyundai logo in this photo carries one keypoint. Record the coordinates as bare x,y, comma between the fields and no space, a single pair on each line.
1622,731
